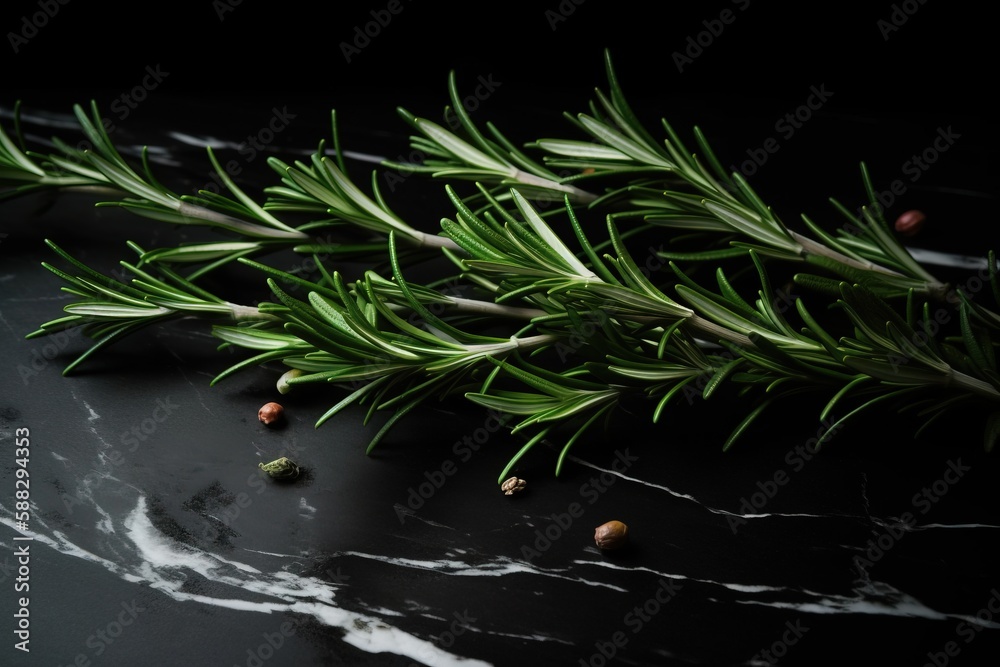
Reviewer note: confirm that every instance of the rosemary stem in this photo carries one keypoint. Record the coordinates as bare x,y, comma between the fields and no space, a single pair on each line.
81,186
425,240
531,179
973,384
813,248
241,313
464,305
715,331
514,343
533,341
202,213
935,288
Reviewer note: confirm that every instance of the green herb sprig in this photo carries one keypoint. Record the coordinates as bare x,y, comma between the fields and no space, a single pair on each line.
534,314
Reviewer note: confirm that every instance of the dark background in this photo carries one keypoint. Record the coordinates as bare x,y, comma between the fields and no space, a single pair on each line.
938,60
898,72
229,66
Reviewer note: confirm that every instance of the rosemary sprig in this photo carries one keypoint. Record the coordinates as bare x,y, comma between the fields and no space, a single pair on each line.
536,317
107,309
352,336
479,158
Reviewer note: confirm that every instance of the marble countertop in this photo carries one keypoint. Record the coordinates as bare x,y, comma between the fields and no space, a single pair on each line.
154,538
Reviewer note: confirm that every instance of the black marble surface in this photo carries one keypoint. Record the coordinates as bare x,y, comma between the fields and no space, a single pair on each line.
156,540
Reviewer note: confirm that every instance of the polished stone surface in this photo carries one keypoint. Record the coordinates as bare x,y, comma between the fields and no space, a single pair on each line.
157,540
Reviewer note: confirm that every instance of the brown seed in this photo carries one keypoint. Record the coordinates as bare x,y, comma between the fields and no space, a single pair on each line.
271,413
611,535
513,485
910,222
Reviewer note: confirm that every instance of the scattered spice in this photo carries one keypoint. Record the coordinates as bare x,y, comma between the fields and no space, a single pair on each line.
611,535
271,414
283,468
910,222
513,485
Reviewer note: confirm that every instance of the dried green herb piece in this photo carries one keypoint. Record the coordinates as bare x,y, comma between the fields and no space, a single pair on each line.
283,469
